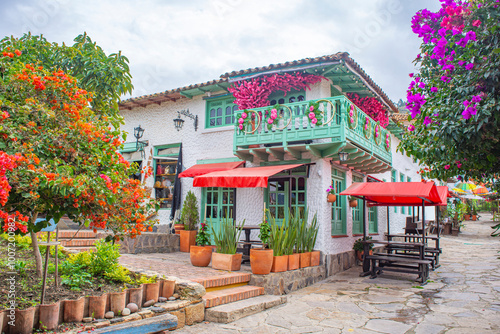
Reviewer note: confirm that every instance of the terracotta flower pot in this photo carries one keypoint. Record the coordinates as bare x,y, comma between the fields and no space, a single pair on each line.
48,317
188,239
359,254
152,291
117,301
474,217
467,217
135,295
330,198
315,256
261,261
73,310
23,321
280,264
97,306
178,228
294,261
230,262
167,288
305,259
353,203
200,255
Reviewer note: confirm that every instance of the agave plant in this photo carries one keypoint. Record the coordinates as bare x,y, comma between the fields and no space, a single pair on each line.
226,239
312,234
293,227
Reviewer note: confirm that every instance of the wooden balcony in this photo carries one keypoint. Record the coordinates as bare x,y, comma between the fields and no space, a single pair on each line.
294,134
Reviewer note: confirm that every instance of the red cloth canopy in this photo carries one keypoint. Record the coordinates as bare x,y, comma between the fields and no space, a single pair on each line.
396,193
202,169
251,177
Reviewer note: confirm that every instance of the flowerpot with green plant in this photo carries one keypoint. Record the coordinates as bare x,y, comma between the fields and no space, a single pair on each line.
330,194
189,217
353,201
474,213
226,240
312,234
293,255
358,247
261,260
302,242
279,242
201,254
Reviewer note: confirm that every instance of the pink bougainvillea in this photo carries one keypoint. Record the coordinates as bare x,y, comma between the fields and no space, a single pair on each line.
255,92
372,107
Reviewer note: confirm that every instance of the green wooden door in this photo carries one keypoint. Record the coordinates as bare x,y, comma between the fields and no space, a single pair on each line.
338,208
284,195
372,220
357,214
219,203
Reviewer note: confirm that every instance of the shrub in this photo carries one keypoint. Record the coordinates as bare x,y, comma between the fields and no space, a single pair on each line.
189,214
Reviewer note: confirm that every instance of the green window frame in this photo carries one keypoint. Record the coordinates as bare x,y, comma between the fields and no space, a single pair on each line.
291,97
217,204
373,220
394,175
408,179
220,112
402,179
339,222
357,218
165,156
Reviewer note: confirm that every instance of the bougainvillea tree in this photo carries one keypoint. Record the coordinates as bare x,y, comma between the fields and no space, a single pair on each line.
255,92
454,98
66,155
372,107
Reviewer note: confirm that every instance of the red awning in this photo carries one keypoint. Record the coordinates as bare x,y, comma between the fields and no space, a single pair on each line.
395,193
251,177
444,193
202,169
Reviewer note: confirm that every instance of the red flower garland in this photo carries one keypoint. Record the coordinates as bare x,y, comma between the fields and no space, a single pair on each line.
255,92
372,107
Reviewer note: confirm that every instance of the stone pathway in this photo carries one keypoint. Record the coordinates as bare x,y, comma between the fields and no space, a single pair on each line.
462,296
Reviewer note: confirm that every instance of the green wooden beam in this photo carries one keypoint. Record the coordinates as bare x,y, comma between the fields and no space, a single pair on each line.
222,87
189,96
244,156
314,151
350,90
295,153
333,149
260,154
280,155
357,160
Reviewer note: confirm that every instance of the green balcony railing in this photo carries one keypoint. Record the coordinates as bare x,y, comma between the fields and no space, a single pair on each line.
341,121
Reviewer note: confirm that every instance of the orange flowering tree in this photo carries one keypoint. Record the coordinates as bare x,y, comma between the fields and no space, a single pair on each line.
63,156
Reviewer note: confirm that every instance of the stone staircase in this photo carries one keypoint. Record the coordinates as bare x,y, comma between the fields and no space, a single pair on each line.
229,297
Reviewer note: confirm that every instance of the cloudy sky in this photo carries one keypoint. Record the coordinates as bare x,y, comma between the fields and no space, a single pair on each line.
173,43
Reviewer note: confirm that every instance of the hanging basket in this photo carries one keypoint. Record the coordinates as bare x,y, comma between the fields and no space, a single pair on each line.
330,198
353,203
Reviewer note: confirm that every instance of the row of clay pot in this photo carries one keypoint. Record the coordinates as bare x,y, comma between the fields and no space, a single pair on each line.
48,317
263,262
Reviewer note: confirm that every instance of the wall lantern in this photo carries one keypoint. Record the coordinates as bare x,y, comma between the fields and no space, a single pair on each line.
343,156
140,144
179,122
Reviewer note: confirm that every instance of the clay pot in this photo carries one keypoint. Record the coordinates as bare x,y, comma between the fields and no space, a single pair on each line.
117,301
73,310
280,264
178,228
135,295
305,259
330,198
474,217
293,261
466,217
200,255
48,317
359,254
152,291
167,288
188,239
261,261
97,306
353,203
230,262
23,321
315,256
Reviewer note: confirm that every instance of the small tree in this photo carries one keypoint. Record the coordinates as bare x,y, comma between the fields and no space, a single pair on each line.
189,214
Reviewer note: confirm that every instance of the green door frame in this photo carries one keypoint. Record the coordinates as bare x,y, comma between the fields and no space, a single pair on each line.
339,212
213,208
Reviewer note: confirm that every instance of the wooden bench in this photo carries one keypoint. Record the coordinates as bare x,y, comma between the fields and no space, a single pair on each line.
397,263
431,253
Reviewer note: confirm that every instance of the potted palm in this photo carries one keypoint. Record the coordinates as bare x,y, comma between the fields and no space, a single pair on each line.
201,253
330,194
226,240
189,217
358,247
261,260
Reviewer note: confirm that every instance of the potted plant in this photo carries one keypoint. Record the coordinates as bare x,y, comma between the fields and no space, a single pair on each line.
358,247
353,201
312,234
279,241
261,260
467,211
330,194
201,254
226,240
293,256
302,243
474,212
189,217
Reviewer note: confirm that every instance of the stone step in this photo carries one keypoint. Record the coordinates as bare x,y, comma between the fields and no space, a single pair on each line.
145,326
222,280
77,242
233,311
72,234
76,249
219,297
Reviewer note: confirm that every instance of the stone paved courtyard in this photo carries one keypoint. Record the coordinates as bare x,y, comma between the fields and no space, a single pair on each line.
462,296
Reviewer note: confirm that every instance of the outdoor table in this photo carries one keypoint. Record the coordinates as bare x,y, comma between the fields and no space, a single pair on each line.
247,243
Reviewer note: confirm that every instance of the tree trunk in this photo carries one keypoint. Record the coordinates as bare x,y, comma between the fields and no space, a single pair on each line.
36,249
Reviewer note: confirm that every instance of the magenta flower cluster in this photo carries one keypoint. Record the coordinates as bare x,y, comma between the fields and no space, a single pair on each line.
312,115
